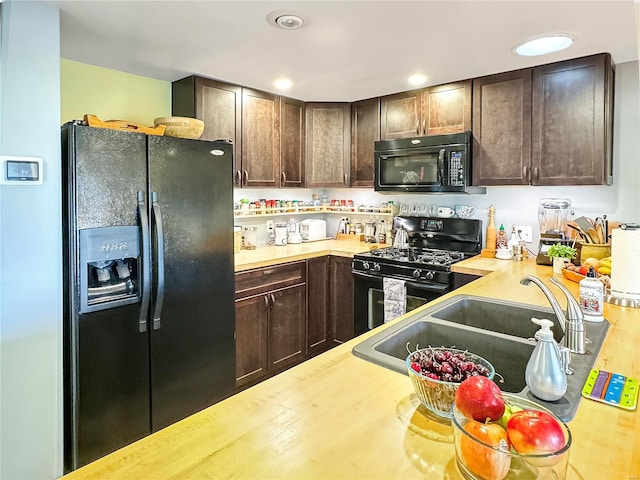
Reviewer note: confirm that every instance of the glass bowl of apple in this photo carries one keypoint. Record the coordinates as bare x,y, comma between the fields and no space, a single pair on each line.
525,441
436,373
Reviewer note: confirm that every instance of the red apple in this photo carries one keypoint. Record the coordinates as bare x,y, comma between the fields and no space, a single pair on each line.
536,432
480,398
485,462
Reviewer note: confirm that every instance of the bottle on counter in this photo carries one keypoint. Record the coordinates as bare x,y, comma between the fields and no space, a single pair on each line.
544,374
491,230
592,297
501,239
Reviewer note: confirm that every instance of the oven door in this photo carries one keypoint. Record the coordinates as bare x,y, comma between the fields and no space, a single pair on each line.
368,299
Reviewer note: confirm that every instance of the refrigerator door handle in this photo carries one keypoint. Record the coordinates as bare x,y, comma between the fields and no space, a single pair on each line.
157,221
146,280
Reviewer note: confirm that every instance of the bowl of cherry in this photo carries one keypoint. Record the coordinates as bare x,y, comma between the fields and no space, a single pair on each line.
436,373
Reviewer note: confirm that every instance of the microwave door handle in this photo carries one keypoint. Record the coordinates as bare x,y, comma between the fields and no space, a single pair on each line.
441,166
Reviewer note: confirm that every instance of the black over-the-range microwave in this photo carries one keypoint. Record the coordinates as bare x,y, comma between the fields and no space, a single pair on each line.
434,164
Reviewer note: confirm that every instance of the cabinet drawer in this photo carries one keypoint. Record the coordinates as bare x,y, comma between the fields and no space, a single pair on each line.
264,279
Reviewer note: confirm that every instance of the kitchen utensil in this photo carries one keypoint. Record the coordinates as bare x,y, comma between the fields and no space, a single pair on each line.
401,240
553,216
478,460
593,235
281,234
125,125
464,211
445,212
584,223
437,395
183,127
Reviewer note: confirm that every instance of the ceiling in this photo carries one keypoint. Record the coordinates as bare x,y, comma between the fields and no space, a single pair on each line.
347,51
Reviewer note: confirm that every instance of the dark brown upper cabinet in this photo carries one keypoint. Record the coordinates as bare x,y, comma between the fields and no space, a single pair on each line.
365,131
328,133
502,128
429,111
547,125
572,122
292,151
217,104
260,159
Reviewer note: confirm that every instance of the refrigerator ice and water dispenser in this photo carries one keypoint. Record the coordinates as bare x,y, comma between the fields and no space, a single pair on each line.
109,271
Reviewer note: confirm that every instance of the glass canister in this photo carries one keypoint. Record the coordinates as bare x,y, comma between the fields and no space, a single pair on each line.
237,239
250,238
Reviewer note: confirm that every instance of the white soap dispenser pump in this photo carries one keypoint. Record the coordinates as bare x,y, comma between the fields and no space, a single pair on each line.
544,374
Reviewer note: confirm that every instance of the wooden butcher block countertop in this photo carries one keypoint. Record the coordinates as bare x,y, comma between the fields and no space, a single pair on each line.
339,417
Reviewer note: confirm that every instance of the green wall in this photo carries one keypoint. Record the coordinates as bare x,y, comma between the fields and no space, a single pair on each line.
110,94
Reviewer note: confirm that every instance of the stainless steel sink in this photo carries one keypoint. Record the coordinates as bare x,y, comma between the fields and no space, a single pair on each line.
499,331
504,317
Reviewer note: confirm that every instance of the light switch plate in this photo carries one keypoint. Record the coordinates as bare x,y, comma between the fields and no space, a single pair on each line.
525,232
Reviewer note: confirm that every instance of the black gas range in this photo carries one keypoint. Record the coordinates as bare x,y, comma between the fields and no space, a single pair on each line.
422,262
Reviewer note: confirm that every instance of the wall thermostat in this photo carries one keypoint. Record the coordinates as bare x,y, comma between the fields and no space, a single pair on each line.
21,170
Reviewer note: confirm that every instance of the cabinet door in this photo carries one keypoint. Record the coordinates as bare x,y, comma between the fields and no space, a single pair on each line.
217,104
252,362
260,139
365,131
570,126
317,305
328,144
341,310
447,108
292,143
502,129
287,321
400,115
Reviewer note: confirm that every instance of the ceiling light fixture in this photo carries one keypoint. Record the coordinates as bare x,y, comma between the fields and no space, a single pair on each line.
544,45
283,84
417,79
286,20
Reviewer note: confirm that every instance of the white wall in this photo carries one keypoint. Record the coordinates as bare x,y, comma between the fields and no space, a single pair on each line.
519,205
30,247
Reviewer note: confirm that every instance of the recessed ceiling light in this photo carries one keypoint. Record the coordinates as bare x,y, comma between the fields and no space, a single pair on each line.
283,84
544,45
417,79
287,20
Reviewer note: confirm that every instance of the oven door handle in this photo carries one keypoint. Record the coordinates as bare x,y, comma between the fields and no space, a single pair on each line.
428,287
367,275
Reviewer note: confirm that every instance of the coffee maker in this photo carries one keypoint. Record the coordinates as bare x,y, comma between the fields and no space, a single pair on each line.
553,216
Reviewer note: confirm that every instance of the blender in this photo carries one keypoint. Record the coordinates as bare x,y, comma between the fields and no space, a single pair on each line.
553,216
293,235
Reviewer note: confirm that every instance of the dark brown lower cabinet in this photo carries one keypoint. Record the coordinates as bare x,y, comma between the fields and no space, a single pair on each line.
317,305
290,312
341,326
270,321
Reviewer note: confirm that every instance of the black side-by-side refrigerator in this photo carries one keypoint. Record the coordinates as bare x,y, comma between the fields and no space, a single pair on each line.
148,284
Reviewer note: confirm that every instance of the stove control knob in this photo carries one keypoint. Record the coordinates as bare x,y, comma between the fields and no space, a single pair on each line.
429,275
365,265
376,267
416,273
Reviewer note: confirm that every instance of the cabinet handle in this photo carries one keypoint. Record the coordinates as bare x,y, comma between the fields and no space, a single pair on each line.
266,302
536,174
284,177
525,173
238,178
345,180
424,126
267,272
418,127
246,178
273,299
